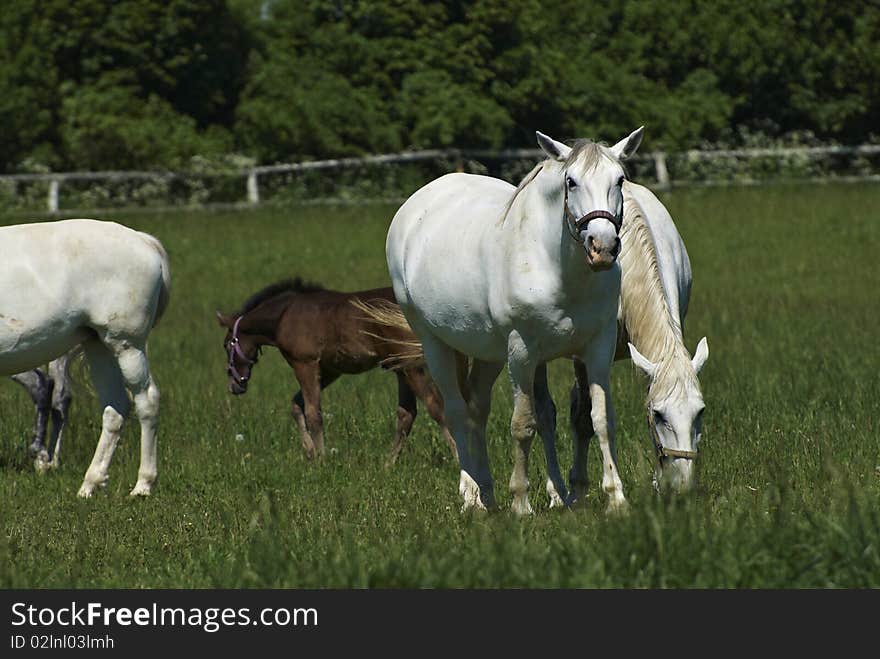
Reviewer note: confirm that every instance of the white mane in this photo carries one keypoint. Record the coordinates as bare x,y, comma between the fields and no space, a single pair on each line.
644,308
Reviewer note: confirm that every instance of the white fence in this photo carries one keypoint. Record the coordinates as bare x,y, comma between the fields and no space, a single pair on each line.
655,163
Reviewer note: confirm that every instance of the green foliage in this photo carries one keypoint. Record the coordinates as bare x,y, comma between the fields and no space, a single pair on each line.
109,123
283,80
137,84
291,109
788,480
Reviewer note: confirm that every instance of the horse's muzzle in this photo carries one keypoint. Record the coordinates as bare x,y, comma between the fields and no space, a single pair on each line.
237,389
601,256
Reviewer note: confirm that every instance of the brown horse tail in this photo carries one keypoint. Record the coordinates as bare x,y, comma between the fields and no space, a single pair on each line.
406,349
165,291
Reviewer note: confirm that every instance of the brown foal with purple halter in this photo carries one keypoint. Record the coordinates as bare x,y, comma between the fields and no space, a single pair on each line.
322,335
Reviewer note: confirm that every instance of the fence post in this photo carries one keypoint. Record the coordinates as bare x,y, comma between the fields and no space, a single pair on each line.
54,184
662,172
253,190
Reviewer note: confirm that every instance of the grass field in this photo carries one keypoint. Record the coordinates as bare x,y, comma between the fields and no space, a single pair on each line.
787,290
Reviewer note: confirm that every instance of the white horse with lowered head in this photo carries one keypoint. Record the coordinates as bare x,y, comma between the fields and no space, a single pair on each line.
515,276
654,296
107,288
654,299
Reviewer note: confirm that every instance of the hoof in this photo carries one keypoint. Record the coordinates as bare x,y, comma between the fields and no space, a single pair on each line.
522,507
141,490
42,463
470,493
89,485
556,501
619,507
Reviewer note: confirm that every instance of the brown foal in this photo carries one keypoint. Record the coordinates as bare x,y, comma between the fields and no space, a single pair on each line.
322,335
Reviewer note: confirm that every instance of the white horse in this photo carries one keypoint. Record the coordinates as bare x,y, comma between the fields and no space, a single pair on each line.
107,289
654,297
518,276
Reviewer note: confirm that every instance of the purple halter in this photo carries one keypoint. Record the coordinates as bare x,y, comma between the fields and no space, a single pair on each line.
235,349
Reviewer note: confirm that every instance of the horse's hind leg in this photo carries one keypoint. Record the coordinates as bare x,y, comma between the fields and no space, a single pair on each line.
545,411
136,373
426,391
312,379
39,388
110,387
475,483
582,432
406,415
59,373
523,422
481,378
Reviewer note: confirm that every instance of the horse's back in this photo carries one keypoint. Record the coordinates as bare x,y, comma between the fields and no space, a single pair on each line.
327,326
64,279
672,257
440,251
460,206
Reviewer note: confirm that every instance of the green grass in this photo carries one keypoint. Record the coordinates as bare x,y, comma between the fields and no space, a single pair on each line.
786,289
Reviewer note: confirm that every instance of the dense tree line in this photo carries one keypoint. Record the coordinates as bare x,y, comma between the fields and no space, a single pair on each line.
92,84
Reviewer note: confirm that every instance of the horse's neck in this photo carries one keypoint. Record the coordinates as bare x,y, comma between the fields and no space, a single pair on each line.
262,321
651,322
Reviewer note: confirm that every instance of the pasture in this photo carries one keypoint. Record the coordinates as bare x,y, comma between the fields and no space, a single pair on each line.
785,288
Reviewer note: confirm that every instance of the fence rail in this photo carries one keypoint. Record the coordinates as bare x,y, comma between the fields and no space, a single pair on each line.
657,161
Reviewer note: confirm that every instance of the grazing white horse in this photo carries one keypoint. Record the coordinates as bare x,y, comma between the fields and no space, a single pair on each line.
518,276
106,290
654,297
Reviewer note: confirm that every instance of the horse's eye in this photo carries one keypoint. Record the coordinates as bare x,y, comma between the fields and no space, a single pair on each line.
570,182
659,419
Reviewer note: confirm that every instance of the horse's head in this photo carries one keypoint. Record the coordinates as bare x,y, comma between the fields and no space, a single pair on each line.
675,419
242,353
592,178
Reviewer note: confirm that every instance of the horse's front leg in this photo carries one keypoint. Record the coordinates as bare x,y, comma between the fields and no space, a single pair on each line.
597,360
524,422
298,409
309,376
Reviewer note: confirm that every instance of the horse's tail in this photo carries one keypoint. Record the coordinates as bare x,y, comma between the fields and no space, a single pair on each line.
406,348
165,290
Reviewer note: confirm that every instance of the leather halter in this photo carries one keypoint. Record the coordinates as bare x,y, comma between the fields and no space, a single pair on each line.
235,349
576,225
663,451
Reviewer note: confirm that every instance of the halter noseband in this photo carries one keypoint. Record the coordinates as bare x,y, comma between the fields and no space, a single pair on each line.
235,349
576,225
664,452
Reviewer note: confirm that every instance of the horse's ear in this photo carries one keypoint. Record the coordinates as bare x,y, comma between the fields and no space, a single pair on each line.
641,361
223,319
627,147
700,355
554,149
